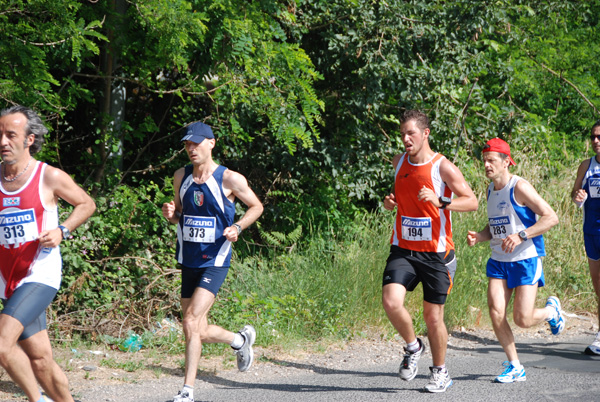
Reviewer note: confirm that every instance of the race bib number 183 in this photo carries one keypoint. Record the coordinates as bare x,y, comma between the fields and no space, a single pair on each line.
498,226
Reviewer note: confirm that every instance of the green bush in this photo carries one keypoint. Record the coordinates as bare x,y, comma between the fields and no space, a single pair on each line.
118,267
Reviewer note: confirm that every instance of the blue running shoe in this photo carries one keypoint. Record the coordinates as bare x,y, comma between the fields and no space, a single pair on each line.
557,324
511,374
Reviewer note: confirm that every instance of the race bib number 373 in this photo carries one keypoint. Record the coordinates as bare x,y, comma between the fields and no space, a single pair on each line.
416,229
199,229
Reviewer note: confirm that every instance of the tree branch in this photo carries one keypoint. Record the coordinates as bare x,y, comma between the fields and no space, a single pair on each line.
572,85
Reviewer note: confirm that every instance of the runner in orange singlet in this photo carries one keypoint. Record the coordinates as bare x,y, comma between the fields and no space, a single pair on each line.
422,249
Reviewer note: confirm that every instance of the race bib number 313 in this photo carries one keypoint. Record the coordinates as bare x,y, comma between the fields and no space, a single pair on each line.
18,227
416,229
199,229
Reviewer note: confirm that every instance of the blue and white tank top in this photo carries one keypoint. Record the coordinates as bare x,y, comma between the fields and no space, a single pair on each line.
591,206
506,216
206,213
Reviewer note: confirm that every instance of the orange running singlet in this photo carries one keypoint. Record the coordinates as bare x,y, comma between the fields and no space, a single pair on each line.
420,226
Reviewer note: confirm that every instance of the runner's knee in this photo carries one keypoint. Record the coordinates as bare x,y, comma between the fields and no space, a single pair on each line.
41,363
392,302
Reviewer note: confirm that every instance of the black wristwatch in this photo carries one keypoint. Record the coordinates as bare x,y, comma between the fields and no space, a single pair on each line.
445,201
523,235
66,233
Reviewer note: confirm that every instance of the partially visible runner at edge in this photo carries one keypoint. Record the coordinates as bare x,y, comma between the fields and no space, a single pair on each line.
30,260
586,194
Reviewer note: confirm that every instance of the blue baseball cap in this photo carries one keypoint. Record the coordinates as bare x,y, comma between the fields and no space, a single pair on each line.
197,132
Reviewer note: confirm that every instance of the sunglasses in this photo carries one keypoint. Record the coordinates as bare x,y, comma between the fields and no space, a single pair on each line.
594,137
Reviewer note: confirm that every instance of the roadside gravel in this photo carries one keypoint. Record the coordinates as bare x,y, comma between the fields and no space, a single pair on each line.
151,374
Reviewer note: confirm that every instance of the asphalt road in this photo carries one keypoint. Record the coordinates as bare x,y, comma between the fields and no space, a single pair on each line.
556,368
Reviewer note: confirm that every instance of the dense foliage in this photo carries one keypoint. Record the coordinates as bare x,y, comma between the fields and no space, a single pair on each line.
304,97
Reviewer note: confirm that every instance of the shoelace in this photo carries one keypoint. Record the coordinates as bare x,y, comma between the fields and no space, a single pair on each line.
438,377
509,369
409,358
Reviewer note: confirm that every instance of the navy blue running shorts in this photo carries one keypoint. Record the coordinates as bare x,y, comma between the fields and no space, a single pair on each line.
592,246
209,278
28,305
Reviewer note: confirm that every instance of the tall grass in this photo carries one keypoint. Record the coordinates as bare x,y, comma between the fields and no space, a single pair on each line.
328,287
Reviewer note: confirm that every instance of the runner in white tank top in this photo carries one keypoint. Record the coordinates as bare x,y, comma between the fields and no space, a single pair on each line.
515,237
30,268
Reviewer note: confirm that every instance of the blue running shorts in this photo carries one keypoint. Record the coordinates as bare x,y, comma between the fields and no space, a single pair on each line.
209,278
517,273
592,246
28,305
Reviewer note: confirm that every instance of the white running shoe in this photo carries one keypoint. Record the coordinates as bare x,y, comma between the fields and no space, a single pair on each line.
408,367
440,380
511,374
183,396
245,354
46,398
594,348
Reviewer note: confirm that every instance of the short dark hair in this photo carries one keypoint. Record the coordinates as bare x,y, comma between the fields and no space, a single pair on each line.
596,124
34,126
419,117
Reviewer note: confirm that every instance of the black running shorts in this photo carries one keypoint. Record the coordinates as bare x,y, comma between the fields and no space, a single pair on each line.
434,270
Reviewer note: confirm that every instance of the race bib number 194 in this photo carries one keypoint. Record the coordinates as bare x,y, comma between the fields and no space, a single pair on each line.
199,229
416,229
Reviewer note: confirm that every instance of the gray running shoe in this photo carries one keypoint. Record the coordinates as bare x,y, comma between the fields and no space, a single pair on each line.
408,367
440,380
183,397
245,354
